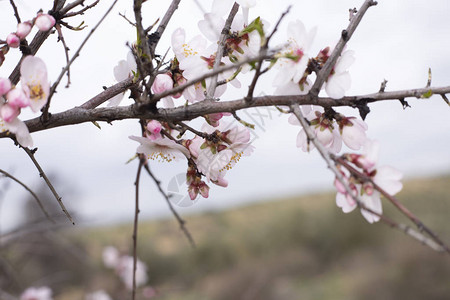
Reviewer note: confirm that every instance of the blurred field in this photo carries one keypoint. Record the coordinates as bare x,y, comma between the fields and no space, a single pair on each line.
295,248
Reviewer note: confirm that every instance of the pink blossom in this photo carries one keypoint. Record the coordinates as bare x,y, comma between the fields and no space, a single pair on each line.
324,131
8,113
19,128
385,177
13,40
23,29
161,149
162,83
5,86
40,293
44,21
354,133
153,130
17,98
215,160
293,61
34,81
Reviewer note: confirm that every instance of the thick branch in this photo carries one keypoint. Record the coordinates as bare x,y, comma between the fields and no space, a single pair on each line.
79,115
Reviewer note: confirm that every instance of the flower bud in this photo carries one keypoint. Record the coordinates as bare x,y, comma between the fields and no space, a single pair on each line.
23,29
154,127
44,21
13,40
17,98
5,86
162,83
8,113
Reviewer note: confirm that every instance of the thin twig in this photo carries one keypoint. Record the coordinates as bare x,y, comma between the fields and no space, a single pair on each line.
76,54
135,226
31,192
180,221
16,12
263,52
49,184
81,11
345,37
162,26
220,50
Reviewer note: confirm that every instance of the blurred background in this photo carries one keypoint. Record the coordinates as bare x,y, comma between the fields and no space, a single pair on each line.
285,247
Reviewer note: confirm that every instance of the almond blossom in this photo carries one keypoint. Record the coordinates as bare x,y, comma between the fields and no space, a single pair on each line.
292,62
40,293
324,129
216,158
161,149
34,81
339,80
124,70
385,177
14,125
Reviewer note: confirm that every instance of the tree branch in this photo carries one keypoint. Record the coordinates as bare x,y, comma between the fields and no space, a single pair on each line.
31,192
49,184
180,221
345,37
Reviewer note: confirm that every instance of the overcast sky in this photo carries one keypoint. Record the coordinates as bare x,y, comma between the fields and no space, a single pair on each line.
397,41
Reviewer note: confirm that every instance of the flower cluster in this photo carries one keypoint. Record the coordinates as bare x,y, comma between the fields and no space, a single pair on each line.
220,144
33,93
384,177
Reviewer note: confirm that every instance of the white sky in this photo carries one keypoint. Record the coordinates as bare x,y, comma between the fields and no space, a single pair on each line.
397,40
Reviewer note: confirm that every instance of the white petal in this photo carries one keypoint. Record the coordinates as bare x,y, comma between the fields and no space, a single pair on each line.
372,202
344,202
345,61
388,178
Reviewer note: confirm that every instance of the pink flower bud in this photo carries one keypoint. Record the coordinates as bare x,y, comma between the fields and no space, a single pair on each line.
8,113
154,127
23,29
163,82
13,40
203,189
5,86
44,21
17,98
